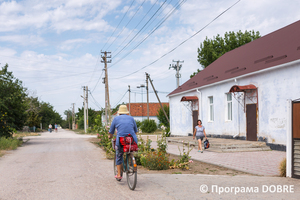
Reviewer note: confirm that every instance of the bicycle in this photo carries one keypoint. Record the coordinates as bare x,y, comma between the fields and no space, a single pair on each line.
129,166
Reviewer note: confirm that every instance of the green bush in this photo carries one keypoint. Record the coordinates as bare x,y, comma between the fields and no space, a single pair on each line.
138,123
155,161
10,143
148,126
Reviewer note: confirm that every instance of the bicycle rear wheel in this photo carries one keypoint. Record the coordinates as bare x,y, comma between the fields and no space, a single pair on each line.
131,171
116,169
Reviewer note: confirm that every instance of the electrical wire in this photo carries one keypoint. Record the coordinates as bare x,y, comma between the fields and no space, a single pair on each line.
118,24
127,24
180,43
136,26
121,99
140,29
160,23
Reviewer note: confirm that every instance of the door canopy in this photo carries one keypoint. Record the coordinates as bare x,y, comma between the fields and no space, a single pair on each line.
189,98
239,88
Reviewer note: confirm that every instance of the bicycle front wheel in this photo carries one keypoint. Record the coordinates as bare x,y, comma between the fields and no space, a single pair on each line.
131,171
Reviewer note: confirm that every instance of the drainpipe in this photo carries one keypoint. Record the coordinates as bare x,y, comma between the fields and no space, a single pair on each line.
238,110
200,104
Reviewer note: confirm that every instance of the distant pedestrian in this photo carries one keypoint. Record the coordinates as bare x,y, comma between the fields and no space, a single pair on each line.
50,128
55,126
199,133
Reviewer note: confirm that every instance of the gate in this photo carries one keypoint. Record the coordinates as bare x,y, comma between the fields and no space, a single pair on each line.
296,140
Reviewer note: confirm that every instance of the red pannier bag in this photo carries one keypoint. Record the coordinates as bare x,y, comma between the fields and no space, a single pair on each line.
128,144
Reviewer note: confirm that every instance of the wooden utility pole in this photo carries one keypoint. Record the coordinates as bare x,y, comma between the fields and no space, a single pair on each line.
148,75
107,104
147,88
177,67
129,97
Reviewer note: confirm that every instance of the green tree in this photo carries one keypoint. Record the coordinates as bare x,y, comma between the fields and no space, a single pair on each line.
211,49
161,116
49,115
33,117
12,106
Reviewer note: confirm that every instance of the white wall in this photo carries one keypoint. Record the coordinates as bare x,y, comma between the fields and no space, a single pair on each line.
274,88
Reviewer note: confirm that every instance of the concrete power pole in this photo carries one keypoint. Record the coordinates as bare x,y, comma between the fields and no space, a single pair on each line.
147,88
73,117
129,97
87,107
84,111
107,104
148,75
177,67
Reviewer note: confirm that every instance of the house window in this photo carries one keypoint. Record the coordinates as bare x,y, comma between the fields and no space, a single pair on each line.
211,109
229,107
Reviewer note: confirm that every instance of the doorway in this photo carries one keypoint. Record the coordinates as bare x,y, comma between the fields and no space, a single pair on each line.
251,134
296,140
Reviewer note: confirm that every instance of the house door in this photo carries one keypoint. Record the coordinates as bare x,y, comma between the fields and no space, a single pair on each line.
251,122
296,140
195,119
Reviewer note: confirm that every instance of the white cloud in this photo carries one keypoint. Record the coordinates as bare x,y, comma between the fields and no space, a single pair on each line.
25,40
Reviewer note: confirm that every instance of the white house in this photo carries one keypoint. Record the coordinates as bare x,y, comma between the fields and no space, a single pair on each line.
247,93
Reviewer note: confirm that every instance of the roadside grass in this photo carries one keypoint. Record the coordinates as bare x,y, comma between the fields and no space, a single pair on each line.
81,131
19,134
157,132
10,143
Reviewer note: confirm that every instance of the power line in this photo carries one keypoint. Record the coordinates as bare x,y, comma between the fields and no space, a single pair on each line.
181,42
118,24
151,32
127,24
121,99
140,30
136,26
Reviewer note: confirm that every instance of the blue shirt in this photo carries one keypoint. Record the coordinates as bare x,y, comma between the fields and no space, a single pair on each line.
124,124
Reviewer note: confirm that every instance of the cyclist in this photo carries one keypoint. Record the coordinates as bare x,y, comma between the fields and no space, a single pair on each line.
125,125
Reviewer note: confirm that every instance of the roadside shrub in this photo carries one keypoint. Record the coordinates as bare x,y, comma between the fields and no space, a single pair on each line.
184,161
138,123
282,168
148,126
10,143
155,161
162,144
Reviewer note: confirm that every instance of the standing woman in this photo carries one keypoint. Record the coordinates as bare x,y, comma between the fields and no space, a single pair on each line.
199,133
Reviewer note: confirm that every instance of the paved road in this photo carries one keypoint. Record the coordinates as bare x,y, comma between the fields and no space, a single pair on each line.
64,165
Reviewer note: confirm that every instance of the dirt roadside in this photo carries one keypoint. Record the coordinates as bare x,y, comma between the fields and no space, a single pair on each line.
196,167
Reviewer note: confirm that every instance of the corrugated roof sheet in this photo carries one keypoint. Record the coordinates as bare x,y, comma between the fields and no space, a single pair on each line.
279,47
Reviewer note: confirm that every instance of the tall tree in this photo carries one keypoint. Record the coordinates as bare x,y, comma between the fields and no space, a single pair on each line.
211,49
161,116
12,106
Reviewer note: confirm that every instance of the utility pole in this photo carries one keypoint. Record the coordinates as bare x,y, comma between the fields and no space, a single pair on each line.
84,111
73,116
147,88
148,75
177,67
129,97
87,107
107,104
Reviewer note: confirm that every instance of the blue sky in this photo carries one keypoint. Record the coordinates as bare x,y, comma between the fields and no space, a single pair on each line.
54,46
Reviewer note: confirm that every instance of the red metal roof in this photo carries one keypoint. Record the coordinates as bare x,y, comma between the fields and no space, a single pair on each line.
276,48
189,98
239,88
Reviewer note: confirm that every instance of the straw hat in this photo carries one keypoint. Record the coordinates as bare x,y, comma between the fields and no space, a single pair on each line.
123,109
